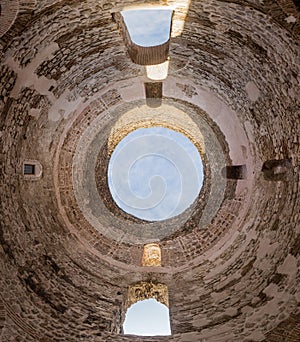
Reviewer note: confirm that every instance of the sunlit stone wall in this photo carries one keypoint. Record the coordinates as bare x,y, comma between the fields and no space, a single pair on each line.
236,278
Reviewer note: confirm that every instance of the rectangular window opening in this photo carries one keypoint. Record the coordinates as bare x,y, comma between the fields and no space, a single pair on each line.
29,169
147,310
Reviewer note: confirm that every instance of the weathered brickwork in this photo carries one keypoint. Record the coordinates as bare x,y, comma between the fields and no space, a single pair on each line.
2,316
232,263
8,80
9,12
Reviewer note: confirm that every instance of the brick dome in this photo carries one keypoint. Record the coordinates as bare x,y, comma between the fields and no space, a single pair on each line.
72,86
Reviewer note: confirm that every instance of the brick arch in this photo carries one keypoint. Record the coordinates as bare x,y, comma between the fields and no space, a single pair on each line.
8,15
9,11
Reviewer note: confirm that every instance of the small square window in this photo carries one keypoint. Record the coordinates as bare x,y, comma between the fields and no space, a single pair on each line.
234,172
29,169
153,94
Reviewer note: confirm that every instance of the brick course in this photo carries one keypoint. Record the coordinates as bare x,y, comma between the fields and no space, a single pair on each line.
232,273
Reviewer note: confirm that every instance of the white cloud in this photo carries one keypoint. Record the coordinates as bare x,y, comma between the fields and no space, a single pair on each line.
154,173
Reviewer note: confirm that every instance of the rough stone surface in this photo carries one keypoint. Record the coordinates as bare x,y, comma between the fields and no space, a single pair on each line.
232,268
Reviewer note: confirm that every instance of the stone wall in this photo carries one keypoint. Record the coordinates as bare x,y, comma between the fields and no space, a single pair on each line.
233,273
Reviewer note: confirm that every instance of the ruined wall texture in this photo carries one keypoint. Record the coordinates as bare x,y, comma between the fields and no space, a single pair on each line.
232,264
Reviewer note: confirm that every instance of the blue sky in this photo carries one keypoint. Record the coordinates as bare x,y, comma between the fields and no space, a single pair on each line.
155,173
147,318
148,27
